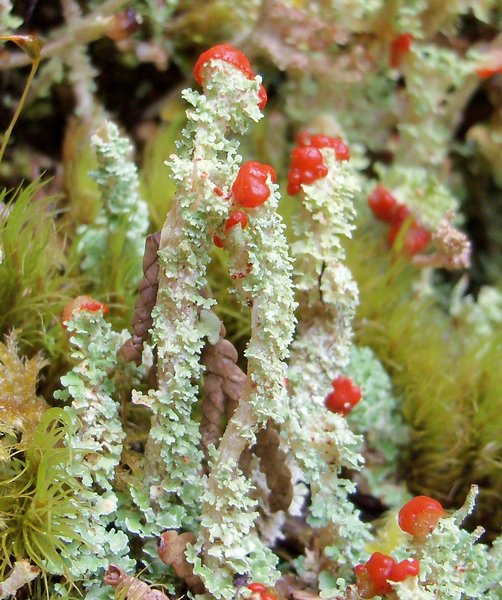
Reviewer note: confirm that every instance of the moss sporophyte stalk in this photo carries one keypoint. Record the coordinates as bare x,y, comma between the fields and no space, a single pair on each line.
292,402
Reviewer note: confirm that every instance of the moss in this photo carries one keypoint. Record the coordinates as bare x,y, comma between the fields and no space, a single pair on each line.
21,407
446,375
33,281
38,496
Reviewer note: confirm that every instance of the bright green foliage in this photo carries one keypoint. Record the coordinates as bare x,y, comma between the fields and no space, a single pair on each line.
40,499
231,545
438,84
262,249
235,546
91,388
33,286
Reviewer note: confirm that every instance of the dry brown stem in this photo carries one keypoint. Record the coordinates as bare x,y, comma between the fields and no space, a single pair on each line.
171,548
273,465
223,387
142,318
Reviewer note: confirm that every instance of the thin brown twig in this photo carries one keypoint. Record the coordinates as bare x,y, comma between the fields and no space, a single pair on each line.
84,31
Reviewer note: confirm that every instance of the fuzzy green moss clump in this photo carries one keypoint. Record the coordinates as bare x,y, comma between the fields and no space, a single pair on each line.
39,497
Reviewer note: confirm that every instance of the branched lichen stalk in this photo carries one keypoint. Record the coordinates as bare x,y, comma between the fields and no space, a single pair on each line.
321,440
118,233
99,440
230,544
207,160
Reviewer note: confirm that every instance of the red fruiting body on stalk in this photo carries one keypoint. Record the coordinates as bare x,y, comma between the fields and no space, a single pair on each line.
401,213
400,46
303,138
420,516
250,188
235,218
416,237
342,151
257,587
383,204
218,191
224,52
365,586
262,97
485,72
231,55
493,65
410,567
83,303
306,167
218,242
373,577
379,568
344,397
386,208
268,596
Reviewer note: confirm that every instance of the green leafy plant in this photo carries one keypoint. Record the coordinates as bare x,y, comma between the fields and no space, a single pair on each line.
39,495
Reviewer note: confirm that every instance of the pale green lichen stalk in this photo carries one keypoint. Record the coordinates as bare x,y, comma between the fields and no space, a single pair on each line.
206,160
453,564
98,440
117,236
321,441
261,268
378,418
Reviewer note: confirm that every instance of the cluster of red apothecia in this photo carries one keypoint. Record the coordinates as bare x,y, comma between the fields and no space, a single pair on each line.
386,208
418,517
307,163
261,592
82,304
249,190
236,58
344,397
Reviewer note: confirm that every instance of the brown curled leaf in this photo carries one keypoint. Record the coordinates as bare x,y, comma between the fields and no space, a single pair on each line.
128,587
171,549
223,386
142,320
274,466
